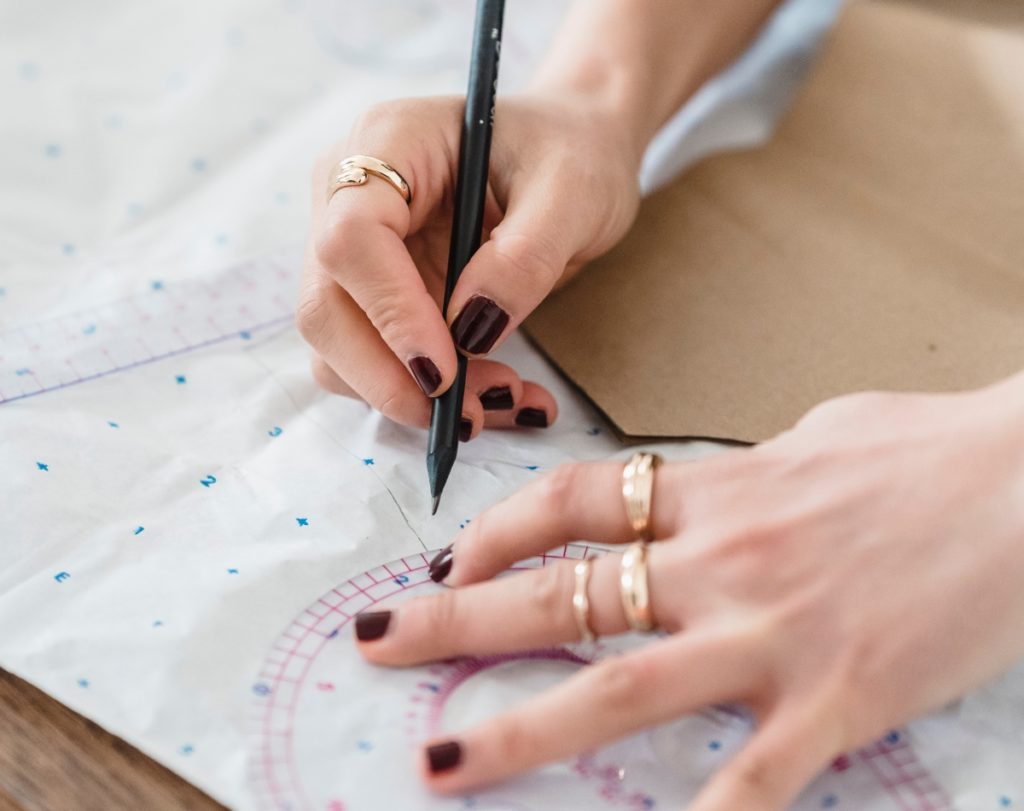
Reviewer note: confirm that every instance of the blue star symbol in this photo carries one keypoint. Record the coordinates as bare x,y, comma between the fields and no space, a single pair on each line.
179,379
302,522
368,461
232,571
42,466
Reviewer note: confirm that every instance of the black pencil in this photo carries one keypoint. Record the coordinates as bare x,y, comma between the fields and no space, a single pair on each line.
467,224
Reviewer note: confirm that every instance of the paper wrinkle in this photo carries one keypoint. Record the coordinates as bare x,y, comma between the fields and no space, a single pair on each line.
195,156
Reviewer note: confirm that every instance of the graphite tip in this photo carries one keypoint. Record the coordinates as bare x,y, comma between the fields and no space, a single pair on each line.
437,500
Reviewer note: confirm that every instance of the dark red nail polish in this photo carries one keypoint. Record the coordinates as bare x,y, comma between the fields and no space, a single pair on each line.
478,326
465,430
372,625
444,757
532,418
441,565
498,398
426,374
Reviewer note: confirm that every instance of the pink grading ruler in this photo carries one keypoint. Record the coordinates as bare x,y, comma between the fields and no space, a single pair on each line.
163,321
302,750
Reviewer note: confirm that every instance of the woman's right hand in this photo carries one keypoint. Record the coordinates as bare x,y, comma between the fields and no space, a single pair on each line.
562,190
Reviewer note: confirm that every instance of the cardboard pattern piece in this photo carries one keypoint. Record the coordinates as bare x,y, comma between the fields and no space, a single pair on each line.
876,243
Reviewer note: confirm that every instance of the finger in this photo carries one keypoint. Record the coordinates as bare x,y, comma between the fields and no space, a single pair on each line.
536,408
531,609
339,333
361,246
771,770
600,703
572,502
514,270
497,385
327,379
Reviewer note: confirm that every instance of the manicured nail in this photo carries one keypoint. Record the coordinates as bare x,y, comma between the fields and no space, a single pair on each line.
441,565
444,757
497,399
426,374
532,418
465,430
372,625
478,326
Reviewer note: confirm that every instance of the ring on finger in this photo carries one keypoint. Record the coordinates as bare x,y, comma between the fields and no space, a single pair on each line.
355,170
638,490
633,588
581,600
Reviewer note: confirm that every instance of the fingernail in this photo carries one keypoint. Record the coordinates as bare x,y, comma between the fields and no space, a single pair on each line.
497,399
426,374
478,326
465,430
443,757
372,625
532,418
441,565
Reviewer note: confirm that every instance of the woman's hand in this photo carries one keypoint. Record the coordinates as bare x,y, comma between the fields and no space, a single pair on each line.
562,190
859,570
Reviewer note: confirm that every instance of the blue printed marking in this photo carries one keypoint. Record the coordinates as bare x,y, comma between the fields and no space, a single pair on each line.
892,737
1005,802
24,370
221,239
302,522
42,466
245,335
187,749
60,577
208,480
829,801
52,150
113,424
83,682
68,248
714,746
402,579
29,71
199,165
368,461
88,329
3,292
332,634
275,431
232,571
532,467
179,379
156,284
261,689
593,431
158,623
138,530
465,523
364,746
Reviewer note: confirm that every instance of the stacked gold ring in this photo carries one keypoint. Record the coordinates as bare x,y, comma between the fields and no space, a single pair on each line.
637,497
581,600
355,170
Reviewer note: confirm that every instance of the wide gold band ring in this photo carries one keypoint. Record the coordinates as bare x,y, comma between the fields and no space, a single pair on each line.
355,170
636,596
581,600
638,490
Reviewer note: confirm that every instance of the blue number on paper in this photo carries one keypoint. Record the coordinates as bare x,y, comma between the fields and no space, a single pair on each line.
138,530
60,577
275,431
261,689
83,682
187,749
208,480
232,571
113,424
402,579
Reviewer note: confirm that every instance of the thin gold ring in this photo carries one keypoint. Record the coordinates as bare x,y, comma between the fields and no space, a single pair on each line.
581,601
636,596
638,490
355,170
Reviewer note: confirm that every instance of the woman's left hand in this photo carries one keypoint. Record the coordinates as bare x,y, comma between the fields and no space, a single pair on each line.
857,571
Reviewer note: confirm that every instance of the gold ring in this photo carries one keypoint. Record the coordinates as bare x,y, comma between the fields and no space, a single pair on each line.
636,597
355,170
637,491
581,602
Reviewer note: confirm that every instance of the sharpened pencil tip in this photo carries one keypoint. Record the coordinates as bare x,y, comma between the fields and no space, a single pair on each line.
437,500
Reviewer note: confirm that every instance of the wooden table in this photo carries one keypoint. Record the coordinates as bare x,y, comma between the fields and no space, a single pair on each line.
52,759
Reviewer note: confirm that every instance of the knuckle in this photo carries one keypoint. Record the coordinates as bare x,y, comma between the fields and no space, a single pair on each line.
550,593
516,741
441,612
618,682
557,489
311,318
535,260
335,243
